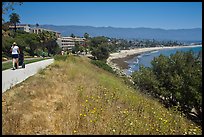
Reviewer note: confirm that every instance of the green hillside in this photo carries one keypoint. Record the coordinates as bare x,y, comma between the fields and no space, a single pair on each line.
73,96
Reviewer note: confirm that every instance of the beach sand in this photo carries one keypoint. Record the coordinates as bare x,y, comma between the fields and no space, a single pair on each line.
117,60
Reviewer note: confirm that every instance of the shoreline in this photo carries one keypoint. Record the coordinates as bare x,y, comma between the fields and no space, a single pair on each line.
118,60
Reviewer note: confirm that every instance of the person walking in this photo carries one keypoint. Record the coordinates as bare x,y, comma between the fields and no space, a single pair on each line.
15,53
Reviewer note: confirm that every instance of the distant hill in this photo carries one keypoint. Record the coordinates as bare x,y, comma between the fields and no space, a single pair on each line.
194,34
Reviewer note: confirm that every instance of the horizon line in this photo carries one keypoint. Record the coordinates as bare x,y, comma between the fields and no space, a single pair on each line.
123,27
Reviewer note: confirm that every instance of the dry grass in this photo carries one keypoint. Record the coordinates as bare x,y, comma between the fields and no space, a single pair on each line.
76,97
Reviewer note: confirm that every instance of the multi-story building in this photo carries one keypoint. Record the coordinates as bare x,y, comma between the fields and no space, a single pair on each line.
39,30
23,27
27,28
67,43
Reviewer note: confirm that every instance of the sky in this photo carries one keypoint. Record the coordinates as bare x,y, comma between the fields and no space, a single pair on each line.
165,15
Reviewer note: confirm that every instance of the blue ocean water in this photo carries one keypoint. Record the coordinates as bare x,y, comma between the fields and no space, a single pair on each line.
146,58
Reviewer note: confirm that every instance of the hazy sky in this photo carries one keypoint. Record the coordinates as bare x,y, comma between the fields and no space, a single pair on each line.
166,15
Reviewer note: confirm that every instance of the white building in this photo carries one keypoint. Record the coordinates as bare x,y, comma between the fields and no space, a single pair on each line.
23,27
39,30
67,43
27,28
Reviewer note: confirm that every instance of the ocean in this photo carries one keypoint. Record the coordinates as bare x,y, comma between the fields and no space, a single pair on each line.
146,58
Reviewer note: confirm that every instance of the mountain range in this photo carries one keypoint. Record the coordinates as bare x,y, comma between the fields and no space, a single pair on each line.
194,34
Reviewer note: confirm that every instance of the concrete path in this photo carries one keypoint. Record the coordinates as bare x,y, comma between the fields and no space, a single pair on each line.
12,77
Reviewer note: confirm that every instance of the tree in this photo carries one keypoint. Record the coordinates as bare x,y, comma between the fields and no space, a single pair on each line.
72,35
48,41
100,53
5,26
6,6
96,41
32,42
14,19
37,25
177,79
86,35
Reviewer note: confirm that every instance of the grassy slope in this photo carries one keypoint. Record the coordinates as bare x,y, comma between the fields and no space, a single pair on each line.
76,97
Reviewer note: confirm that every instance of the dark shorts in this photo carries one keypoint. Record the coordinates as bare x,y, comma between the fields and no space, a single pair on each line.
15,56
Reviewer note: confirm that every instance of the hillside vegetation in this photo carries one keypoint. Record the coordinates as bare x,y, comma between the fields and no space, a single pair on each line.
176,80
73,96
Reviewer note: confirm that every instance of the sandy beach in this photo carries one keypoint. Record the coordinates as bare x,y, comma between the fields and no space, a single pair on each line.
117,60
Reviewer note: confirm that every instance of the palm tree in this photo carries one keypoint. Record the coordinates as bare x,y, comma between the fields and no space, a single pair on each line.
47,39
37,25
14,19
51,41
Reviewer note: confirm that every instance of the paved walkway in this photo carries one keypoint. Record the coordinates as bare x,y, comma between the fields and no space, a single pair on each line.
12,77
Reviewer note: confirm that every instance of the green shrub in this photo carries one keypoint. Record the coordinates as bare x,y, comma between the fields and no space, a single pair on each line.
103,65
100,53
60,57
177,79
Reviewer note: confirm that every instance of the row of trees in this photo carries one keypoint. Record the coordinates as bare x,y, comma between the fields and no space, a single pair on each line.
101,46
176,80
30,43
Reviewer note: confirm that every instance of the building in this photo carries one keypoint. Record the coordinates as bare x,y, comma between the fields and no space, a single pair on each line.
27,28
67,43
39,30
23,27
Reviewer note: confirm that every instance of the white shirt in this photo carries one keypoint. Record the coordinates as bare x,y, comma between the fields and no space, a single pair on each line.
15,49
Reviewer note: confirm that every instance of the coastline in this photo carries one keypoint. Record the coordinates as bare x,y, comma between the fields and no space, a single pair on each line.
118,60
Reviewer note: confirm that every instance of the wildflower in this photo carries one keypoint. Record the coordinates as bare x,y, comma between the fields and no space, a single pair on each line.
160,118
84,115
113,130
75,131
86,100
91,121
131,123
165,121
81,114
